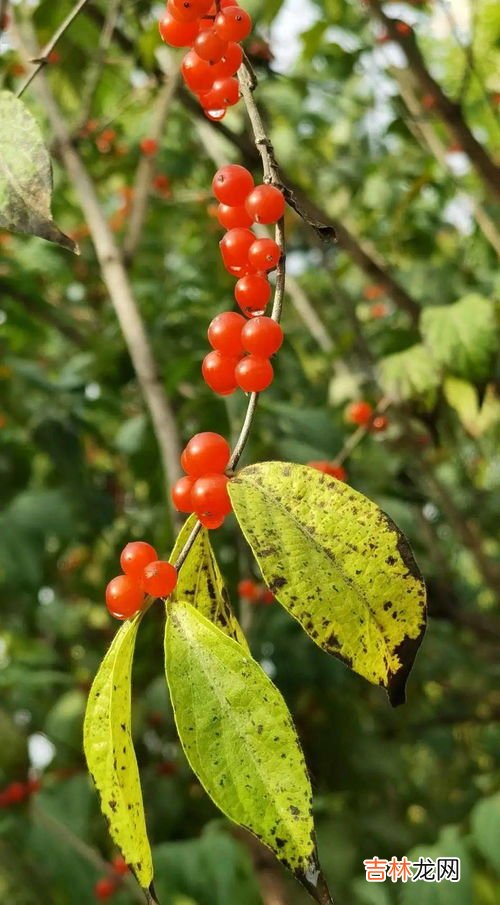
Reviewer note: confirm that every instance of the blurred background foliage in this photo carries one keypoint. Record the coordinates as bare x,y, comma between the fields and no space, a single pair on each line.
80,472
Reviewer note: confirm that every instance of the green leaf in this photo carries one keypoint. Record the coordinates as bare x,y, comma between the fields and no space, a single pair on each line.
338,564
410,375
26,175
201,583
485,823
464,398
462,337
450,844
110,753
240,740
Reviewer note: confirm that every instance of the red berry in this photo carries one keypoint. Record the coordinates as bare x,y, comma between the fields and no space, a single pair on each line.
360,413
181,494
177,34
197,73
124,597
235,247
206,452
265,204
233,217
211,522
218,373
229,63
224,93
254,374
233,24
159,579
104,888
330,468
262,337
16,792
264,254
135,557
215,115
248,589
149,146
231,184
120,866
224,333
266,596
210,46
380,423
183,10
252,292
210,496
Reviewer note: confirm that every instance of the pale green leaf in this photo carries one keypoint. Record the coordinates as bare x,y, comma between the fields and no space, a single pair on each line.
410,375
26,175
485,824
462,337
338,564
110,753
464,398
239,738
201,583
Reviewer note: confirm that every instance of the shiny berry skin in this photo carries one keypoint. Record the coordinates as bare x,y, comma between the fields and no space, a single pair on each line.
135,557
124,597
212,522
183,12
159,579
262,336
149,147
235,247
215,115
248,589
264,254
209,46
253,374
229,63
210,496
265,204
197,73
224,333
104,888
329,468
206,452
360,413
224,93
177,34
218,373
379,424
233,24
233,217
120,866
181,494
252,292
231,184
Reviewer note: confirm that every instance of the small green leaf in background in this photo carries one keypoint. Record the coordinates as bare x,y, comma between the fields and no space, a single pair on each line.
410,375
201,583
462,337
464,398
485,822
338,564
239,739
449,845
26,175
110,753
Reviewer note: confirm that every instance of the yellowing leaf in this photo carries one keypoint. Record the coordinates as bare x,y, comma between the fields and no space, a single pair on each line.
338,564
110,753
26,175
201,583
239,738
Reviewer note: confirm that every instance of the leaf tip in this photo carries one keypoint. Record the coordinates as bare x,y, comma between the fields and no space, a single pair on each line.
313,879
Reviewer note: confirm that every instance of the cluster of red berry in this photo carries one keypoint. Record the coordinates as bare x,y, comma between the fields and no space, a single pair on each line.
241,350
204,488
106,887
17,792
213,32
255,593
144,575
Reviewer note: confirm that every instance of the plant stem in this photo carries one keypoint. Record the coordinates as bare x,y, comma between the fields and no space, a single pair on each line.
43,58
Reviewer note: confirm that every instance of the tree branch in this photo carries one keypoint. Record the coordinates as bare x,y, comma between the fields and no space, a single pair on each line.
43,57
449,111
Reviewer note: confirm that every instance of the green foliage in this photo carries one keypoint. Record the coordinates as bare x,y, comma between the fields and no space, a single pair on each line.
462,338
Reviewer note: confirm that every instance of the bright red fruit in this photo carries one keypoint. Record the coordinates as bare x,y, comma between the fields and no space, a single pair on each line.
124,597
104,888
264,254
120,866
206,452
181,494
235,247
248,589
135,557
211,521
197,73
265,204
252,292
224,93
149,146
229,63
233,24
210,46
266,596
177,34
262,337
330,468
224,333
360,413
160,579
233,217
183,12
254,374
231,184
210,496
218,373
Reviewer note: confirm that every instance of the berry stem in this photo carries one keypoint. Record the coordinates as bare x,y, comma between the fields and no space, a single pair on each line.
43,57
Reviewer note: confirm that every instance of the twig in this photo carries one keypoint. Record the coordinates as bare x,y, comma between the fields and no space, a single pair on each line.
146,168
43,58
